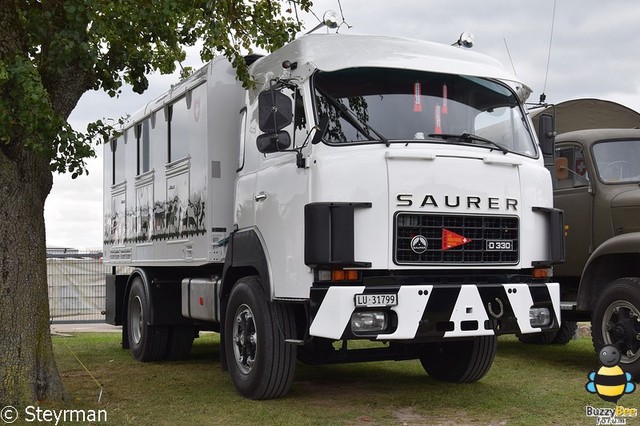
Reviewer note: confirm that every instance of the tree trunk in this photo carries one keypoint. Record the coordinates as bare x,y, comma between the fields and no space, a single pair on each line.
28,372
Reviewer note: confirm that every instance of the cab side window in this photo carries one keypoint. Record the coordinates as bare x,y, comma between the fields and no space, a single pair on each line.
576,174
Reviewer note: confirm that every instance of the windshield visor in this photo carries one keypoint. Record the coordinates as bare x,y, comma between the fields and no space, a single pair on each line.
618,161
374,105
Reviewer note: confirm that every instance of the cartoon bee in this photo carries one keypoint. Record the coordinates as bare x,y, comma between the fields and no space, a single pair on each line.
610,382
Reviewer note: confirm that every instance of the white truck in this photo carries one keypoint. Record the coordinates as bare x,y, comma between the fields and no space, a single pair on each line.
368,188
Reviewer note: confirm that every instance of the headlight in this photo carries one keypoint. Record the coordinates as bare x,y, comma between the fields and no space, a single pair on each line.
369,321
539,317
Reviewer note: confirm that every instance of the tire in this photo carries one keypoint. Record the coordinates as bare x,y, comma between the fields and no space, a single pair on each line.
260,362
616,321
561,337
566,332
461,361
544,338
147,343
180,343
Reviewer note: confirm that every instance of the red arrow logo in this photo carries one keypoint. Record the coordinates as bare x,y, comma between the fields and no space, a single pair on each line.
451,239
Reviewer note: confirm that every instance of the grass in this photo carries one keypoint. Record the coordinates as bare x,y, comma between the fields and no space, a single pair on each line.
526,385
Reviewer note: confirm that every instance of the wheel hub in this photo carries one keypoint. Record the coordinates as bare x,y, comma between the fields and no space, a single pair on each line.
621,328
245,339
136,320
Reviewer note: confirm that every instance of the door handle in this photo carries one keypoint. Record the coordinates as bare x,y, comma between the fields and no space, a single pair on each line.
260,197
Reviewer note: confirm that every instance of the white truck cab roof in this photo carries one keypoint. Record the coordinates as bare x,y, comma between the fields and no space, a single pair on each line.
331,52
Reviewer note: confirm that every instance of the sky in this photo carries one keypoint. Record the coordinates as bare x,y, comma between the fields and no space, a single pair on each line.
592,48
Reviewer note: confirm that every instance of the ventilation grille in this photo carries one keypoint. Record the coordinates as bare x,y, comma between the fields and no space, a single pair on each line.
455,239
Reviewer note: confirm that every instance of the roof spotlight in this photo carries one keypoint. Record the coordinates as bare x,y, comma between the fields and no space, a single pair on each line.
329,20
465,40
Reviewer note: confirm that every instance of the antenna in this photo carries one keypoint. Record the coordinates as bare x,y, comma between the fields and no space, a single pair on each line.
543,96
509,54
342,16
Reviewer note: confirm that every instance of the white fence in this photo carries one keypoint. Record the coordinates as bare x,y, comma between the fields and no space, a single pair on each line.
77,287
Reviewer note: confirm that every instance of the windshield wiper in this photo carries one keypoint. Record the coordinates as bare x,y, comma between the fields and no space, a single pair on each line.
469,137
351,118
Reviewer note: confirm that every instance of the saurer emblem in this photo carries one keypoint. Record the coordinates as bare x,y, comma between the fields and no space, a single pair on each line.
419,244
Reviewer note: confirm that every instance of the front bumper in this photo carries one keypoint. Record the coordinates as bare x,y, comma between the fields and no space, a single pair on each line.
428,312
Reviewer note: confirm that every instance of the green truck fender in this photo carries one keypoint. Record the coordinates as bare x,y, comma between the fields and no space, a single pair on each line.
617,257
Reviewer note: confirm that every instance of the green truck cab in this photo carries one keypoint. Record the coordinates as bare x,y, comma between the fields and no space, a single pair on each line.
597,184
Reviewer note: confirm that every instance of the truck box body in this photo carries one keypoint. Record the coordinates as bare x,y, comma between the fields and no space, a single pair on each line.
422,212
168,189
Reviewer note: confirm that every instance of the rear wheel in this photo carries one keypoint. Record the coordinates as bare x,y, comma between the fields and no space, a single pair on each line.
146,342
459,361
616,321
180,342
261,363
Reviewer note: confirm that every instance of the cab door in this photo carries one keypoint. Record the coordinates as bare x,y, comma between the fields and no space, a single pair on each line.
573,193
282,191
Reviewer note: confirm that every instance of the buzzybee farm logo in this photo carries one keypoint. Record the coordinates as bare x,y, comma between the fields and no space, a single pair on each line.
610,382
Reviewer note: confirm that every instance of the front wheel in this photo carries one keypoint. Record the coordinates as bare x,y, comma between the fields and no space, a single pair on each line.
261,363
461,361
616,321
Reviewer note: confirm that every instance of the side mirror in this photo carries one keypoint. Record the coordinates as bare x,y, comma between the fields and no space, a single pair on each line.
273,142
547,134
274,111
323,125
562,168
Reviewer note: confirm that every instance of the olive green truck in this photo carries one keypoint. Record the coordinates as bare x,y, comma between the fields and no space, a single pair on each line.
597,184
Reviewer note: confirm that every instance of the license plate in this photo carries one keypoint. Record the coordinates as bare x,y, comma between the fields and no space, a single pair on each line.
499,245
376,300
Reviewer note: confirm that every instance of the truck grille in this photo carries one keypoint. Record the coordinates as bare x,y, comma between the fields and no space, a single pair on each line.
455,239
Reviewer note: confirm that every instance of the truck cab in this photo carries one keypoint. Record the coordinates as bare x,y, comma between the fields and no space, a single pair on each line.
598,178
598,172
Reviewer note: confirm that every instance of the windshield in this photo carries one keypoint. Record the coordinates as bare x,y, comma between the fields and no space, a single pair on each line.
365,105
618,161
